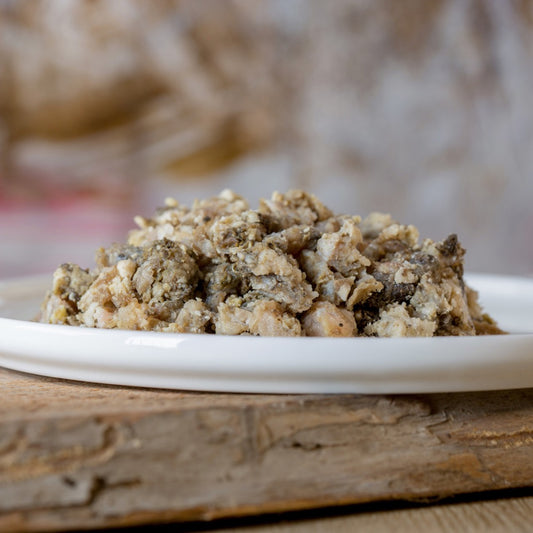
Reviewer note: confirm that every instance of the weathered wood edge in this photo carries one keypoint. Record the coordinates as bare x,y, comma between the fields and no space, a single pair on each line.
192,459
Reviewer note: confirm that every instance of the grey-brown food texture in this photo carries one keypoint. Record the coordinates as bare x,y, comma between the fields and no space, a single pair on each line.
289,268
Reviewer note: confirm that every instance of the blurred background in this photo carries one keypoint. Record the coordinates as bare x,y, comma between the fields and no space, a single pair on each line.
421,109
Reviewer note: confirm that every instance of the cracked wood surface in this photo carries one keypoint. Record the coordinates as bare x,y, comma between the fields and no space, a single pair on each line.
78,455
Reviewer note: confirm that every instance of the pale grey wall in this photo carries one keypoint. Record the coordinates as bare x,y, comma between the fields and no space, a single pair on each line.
422,109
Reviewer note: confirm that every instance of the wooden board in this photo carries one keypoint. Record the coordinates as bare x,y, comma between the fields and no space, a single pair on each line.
76,455
505,515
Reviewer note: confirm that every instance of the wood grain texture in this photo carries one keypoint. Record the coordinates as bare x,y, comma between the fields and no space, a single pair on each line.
77,455
498,516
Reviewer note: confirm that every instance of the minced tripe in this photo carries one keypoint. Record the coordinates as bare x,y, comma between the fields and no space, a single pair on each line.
289,268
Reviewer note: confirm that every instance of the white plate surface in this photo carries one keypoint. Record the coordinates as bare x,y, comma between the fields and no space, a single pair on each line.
275,365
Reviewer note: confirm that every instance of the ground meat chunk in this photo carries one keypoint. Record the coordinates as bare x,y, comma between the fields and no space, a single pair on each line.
69,283
392,291
232,319
445,304
340,251
365,286
483,323
336,263
189,226
293,240
272,274
295,208
106,257
327,320
221,281
291,267
395,321
111,301
132,287
270,320
374,224
231,233
266,318
193,317
166,278
392,240
331,286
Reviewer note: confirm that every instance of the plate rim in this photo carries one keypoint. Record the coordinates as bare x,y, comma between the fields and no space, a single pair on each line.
196,365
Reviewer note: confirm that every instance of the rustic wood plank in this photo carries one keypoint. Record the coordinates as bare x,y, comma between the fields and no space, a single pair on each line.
78,455
494,516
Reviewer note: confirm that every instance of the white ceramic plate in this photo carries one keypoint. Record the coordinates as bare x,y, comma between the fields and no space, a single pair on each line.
275,365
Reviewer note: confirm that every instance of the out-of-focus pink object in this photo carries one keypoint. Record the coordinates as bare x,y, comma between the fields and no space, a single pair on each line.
40,229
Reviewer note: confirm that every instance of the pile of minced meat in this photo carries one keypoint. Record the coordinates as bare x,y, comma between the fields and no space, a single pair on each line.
289,268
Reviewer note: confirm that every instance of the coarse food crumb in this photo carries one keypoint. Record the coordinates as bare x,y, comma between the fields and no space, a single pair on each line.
291,267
